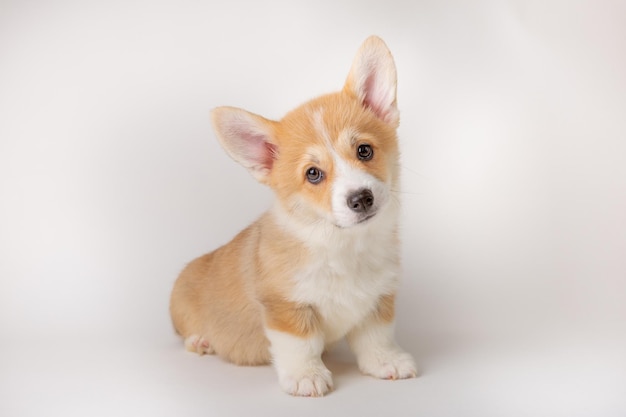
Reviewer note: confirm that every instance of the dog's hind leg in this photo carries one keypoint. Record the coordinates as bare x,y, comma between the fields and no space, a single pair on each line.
199,345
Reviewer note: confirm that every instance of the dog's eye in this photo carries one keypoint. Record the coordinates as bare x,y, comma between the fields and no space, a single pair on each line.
365,152
314,175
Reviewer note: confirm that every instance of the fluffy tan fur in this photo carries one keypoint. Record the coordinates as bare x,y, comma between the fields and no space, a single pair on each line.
223,301
225,296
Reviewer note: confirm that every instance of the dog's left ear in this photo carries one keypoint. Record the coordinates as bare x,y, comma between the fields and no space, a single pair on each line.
372,80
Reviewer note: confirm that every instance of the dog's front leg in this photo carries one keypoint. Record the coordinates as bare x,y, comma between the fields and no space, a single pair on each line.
374,345
296,346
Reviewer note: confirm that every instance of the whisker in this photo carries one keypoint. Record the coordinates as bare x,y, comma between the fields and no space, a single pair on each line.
413,171
406,192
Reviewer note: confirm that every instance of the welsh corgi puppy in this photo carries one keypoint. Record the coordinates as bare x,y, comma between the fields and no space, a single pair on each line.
323,262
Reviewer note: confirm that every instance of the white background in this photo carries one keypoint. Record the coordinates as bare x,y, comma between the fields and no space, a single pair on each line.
513,135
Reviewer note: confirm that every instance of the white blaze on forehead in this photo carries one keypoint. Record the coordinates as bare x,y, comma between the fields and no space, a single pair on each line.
320,128
346,136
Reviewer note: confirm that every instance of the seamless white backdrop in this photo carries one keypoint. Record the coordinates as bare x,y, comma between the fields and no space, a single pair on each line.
513,136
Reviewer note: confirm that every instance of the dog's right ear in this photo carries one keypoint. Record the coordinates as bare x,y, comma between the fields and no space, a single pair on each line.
247,138
372,79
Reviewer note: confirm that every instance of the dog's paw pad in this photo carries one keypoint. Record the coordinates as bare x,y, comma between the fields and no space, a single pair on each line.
314,383
199,345
389,365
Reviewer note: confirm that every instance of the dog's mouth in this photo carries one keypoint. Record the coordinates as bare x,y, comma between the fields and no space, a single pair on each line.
366,218
362,220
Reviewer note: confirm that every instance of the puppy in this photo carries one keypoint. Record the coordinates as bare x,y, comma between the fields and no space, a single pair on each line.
323,262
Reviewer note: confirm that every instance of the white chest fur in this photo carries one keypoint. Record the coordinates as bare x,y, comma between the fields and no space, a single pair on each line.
349,270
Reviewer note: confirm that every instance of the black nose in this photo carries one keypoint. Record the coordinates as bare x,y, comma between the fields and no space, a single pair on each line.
361,200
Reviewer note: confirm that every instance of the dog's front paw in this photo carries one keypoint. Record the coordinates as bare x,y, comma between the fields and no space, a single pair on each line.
314,381
393,364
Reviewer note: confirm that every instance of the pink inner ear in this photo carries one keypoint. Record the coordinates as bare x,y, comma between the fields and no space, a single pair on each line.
255,148
372,98
271,151
375,96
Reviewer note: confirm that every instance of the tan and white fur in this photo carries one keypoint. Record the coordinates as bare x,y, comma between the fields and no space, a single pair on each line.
323,262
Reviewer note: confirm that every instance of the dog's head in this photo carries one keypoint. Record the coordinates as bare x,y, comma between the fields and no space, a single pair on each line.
335,158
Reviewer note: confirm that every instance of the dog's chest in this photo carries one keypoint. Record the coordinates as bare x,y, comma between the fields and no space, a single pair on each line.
344,283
